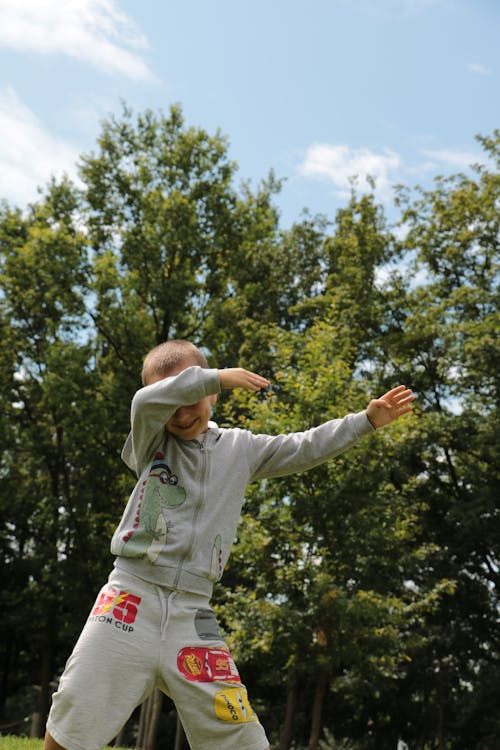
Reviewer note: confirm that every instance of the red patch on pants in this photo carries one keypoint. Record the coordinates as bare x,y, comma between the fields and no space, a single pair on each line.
207,665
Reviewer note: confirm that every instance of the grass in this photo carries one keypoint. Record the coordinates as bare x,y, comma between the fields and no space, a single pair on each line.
10,742
16,743
20,743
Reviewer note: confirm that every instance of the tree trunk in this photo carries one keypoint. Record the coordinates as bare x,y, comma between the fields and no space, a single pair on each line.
317,709
179,735
442,699
39,717
148,721
118,741
291,700
7,661
143,724
37,726
154,720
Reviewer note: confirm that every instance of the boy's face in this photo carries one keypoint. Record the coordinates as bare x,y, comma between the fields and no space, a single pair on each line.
189,422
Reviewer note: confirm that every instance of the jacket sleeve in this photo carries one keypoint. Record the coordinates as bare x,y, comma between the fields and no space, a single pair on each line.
153,405
298,451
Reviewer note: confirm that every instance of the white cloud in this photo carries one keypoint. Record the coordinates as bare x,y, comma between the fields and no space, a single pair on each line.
478,69
29,154
343,166
93,31
454,157
340,164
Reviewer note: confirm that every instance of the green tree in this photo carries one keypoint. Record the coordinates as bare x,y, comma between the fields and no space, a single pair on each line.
443,340
178,250
55,497
367,584
158,243
322,595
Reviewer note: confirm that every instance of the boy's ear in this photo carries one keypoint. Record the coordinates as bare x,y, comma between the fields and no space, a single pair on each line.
213,398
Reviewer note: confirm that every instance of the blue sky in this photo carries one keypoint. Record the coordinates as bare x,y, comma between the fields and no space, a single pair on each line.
317,90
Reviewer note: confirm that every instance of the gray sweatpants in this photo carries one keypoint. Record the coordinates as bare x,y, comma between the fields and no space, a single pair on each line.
139,637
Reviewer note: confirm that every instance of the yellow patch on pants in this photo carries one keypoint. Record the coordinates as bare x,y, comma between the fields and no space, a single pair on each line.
232,705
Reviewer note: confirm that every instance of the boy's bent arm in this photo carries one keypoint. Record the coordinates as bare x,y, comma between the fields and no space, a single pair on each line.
153,405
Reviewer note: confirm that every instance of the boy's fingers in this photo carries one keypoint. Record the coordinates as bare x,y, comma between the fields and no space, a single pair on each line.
405,398
260,379
264,382
400,395
399,403
238,377
396,390
256,381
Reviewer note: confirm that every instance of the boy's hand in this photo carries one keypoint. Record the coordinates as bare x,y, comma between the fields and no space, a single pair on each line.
237,377
390,406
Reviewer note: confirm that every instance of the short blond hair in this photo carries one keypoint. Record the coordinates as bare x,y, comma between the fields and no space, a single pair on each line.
168,356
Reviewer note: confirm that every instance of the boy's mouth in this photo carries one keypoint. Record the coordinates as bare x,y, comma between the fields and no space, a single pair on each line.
187,425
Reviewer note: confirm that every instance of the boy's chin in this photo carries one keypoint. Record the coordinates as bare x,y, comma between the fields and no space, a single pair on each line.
187,434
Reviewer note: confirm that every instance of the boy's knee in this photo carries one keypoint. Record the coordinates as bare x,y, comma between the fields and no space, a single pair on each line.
51,744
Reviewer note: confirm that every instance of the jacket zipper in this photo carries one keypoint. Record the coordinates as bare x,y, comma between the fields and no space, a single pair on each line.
202,485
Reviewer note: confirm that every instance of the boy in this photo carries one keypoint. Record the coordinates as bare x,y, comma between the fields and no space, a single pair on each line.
152,625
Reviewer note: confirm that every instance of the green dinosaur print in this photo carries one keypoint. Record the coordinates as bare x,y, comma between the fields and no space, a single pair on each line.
159,493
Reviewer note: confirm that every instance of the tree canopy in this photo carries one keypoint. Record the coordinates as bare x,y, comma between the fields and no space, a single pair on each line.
361,599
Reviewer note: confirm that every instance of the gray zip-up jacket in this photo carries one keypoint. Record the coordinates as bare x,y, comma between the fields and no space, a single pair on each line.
180,521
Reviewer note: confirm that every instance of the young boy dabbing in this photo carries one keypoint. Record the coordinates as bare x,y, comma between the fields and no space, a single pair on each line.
152,625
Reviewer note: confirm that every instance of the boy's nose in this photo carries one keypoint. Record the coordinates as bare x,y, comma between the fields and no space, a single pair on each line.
183,411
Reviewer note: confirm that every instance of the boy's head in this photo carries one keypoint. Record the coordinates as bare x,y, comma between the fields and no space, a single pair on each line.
170,358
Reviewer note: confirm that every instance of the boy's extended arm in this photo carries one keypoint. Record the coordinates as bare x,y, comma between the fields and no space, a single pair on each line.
380,412
292,452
